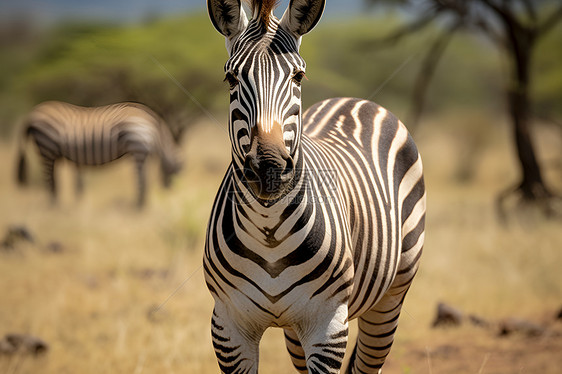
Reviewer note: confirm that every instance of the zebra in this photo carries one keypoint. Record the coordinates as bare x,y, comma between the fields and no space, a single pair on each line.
320,216
92,136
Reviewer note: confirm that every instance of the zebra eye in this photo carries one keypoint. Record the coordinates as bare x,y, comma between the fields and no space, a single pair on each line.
231,79
298,77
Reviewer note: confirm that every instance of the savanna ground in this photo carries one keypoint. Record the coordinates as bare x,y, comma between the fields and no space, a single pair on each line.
125,293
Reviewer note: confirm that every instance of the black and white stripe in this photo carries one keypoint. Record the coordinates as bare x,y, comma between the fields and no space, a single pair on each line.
96,136
337,236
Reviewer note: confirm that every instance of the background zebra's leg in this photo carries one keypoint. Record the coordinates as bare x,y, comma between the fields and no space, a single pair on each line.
49,175
236,352
79,182
295,351
141,178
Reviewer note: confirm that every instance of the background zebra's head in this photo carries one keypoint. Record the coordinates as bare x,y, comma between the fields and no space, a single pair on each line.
170,165
264,73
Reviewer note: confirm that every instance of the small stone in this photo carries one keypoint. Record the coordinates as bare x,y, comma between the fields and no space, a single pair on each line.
447,316
510,326
14,235
55,247
6,347
479,321
27,343
559,315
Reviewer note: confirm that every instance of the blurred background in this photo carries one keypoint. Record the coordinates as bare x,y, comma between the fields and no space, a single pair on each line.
107,288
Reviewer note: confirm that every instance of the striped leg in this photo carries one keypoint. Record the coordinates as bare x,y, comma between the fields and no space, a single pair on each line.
377,326
49,174
376,335
79,182
296,351
324,341
237,352
141,178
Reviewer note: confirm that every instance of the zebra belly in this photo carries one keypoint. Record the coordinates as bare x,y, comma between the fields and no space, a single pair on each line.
92,152
280,300
255,310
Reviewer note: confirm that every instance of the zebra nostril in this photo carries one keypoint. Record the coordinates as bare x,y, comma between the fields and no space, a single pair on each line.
250,168
289,169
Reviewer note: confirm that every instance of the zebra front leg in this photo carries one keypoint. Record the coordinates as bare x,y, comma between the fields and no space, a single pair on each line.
296,351
237,350
141,179
325,340
49,175
79,182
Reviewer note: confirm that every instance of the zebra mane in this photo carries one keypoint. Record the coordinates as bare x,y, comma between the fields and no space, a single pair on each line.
263,9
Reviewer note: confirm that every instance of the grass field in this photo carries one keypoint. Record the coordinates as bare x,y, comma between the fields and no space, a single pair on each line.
124,293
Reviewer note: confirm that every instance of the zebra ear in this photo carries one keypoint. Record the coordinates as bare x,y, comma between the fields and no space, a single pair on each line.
228,17
302,15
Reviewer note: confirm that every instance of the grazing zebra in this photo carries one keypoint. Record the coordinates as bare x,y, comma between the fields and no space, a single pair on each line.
96,136
319,218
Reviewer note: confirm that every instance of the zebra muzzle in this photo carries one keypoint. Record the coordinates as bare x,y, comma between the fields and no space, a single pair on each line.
268,177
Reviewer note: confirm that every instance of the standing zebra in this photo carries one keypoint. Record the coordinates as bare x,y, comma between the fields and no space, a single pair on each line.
319,218
98,135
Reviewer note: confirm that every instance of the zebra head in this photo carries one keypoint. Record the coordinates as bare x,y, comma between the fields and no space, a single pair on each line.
170,166
264,72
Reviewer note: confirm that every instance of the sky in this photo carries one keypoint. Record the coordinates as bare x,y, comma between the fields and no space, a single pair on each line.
52,11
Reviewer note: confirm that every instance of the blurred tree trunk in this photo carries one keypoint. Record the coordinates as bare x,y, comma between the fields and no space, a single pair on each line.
532,185
520,42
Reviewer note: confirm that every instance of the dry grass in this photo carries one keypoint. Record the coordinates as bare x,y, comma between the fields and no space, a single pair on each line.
91,302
